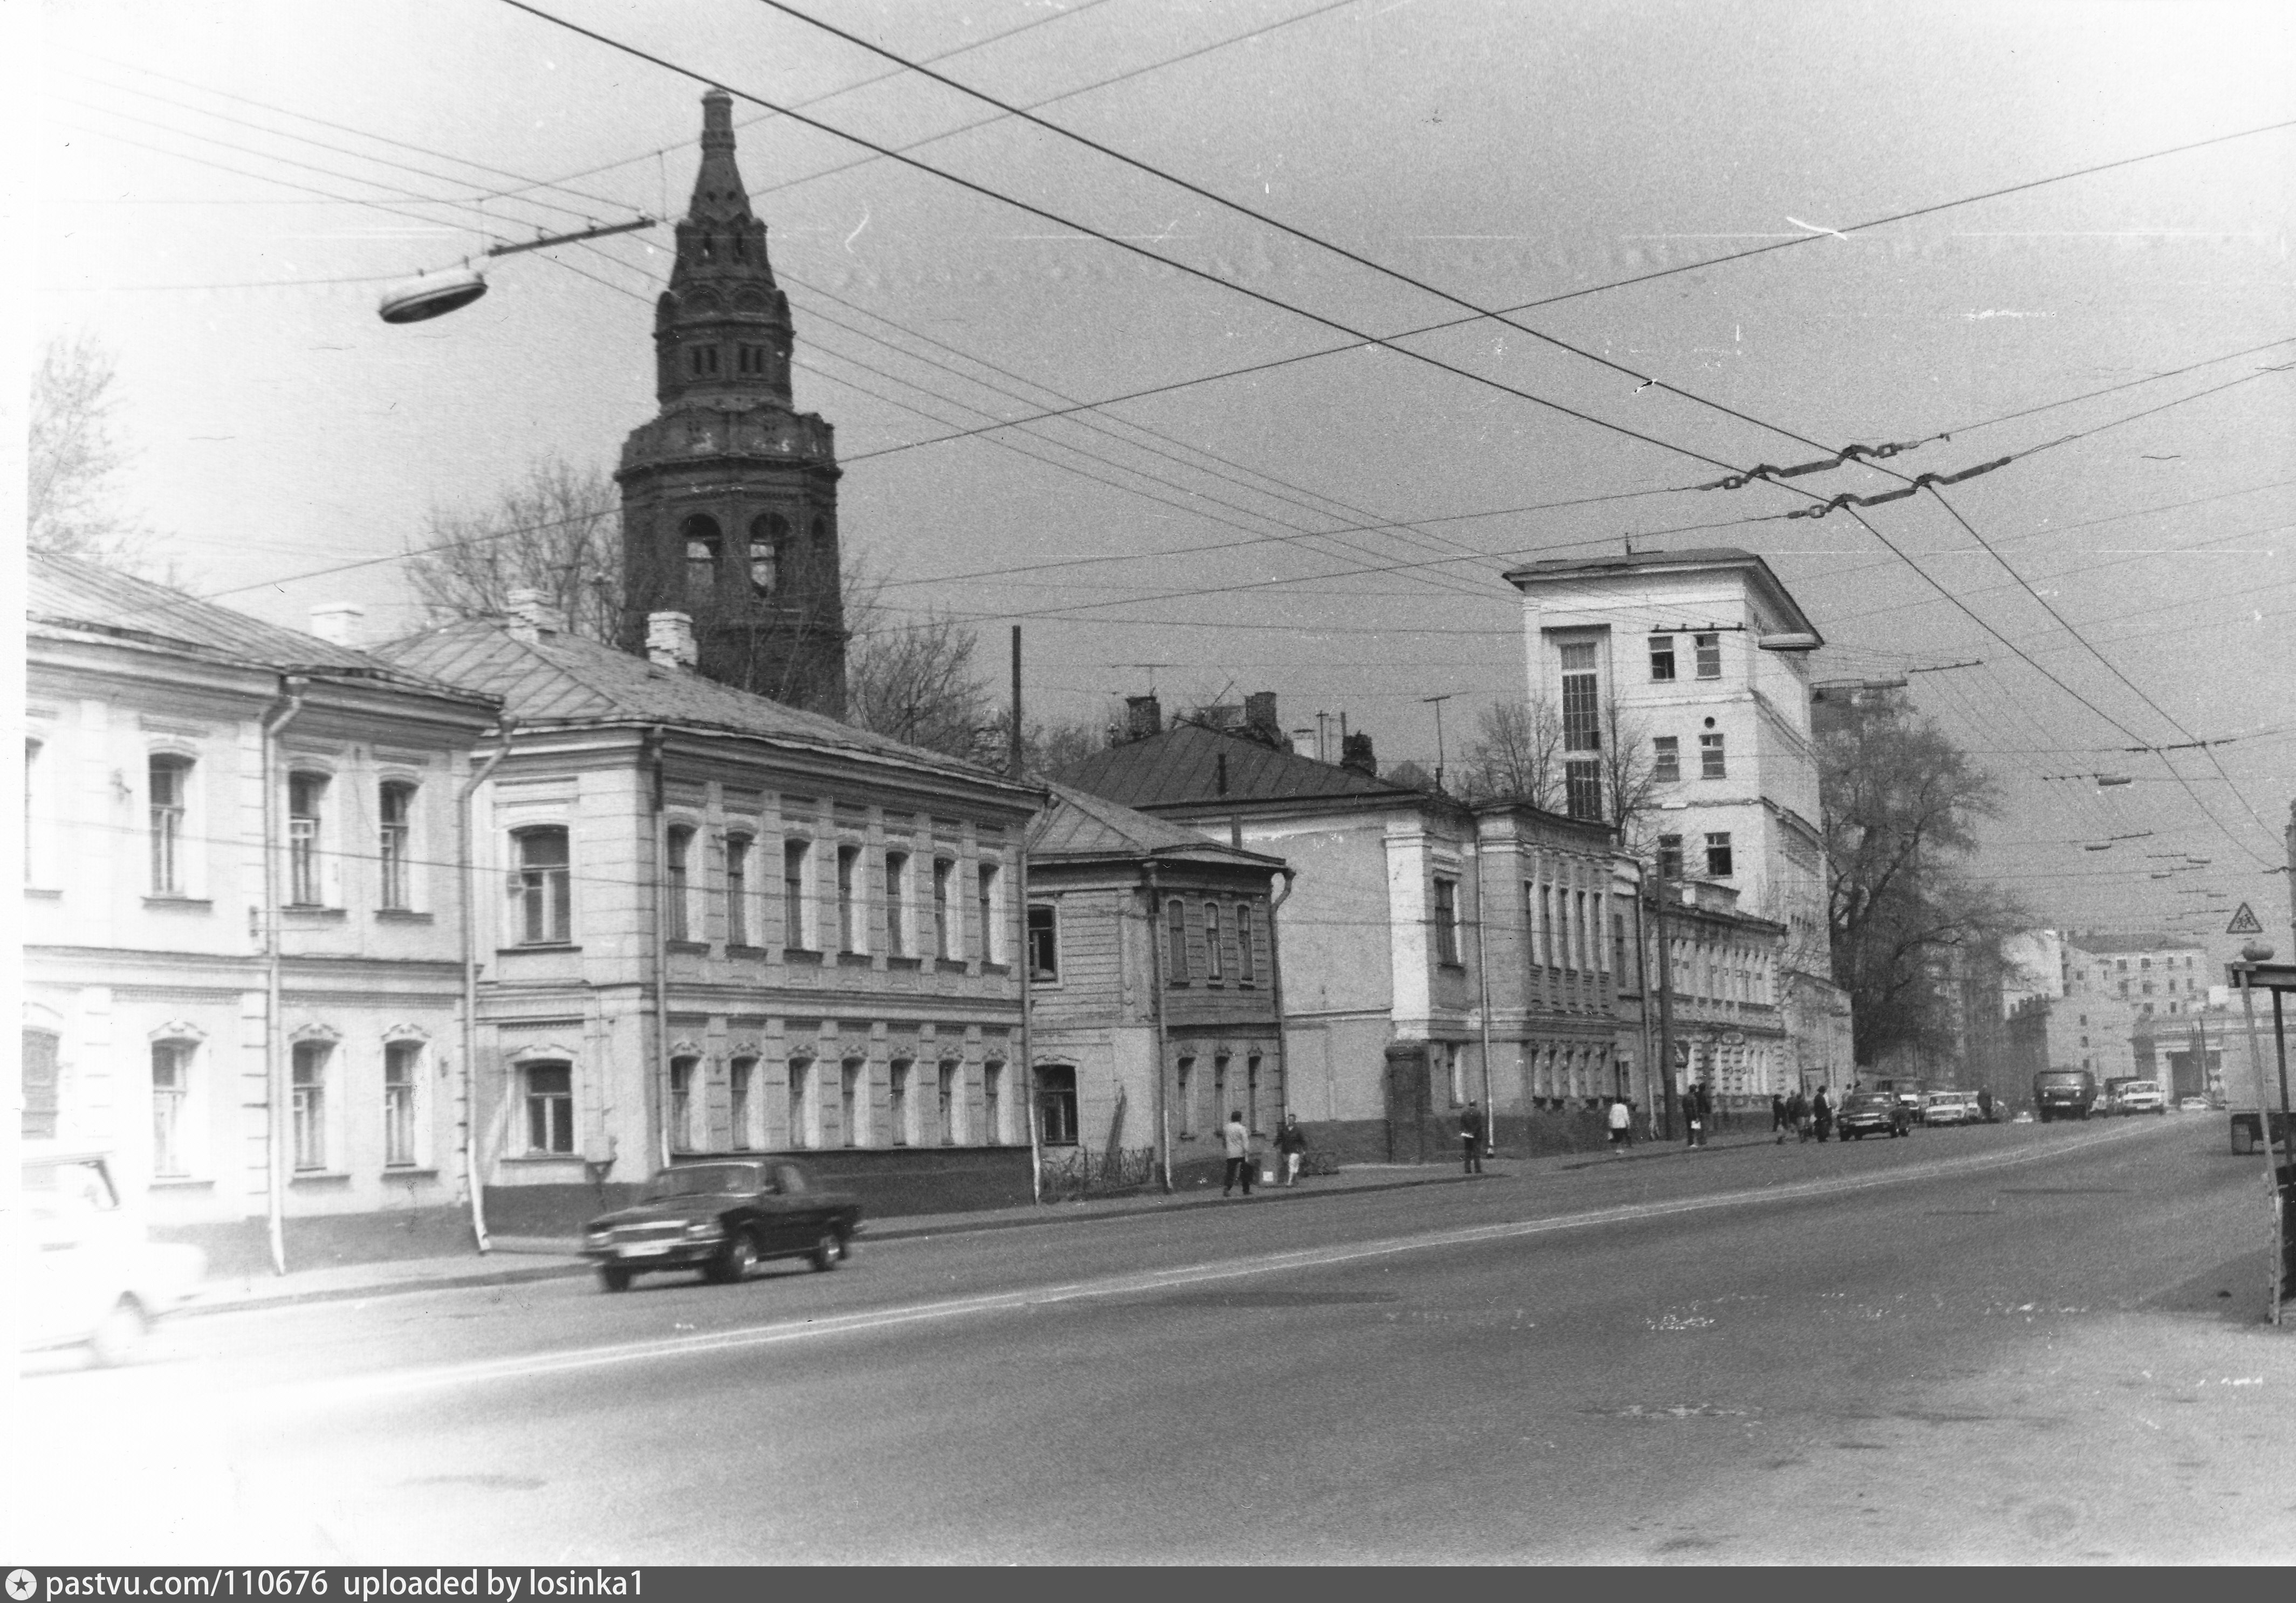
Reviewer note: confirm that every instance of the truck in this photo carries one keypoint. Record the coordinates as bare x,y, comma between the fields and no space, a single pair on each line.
2251,1088
2064,1093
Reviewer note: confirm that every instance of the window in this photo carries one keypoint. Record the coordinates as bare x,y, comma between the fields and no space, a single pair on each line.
1251,1092
850,1106
41,1086
992,944
400,1060
741,1091
1710,655
904,1133
1221,1105
1709,758
2124,987
170,787
896,904
1454,1071
1185,1087
793,919
1446,920
679,912
396,810
2148,987
1582,729
992,1096
1247,962
1717,856
944,924
1669,857
681,1103
801,1131
2121,964
702,361
171,1087
1215,962
737,890
1661,658
310,1110
1582,788
749,360
304,794
549,1107
1044,944
1665,759
1056,1105
1175,941
952,1104
848,898
541,886
1619,970
766,535
31,788
2145,963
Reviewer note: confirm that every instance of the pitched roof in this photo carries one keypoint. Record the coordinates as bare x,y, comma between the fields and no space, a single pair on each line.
559,678
1079,824
1181,767
68,594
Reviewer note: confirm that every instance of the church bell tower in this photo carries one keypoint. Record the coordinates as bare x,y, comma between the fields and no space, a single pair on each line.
729,496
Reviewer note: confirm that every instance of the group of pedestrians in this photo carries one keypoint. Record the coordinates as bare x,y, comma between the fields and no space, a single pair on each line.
1807,1116
1290,1151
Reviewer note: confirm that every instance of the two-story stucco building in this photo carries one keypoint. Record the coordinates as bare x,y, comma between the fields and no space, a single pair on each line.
713,924
242,928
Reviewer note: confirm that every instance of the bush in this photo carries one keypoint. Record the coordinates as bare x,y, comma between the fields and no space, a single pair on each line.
1080,1172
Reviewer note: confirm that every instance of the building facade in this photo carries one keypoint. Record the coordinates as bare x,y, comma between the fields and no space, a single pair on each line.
729,496
1155,979
242,926
1656,669
718,924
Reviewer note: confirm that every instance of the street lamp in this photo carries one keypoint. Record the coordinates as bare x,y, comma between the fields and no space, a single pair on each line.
430,295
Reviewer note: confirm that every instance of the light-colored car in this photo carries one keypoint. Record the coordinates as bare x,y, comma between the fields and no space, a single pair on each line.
2191,1105
92,1276
1948,1108
2023,1115
2140,1096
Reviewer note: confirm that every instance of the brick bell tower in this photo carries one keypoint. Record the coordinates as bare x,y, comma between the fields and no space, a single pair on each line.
729,496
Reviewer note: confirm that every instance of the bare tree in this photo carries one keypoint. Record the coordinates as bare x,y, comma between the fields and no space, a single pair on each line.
1516,755
558,531
916,683
1629,774
73,459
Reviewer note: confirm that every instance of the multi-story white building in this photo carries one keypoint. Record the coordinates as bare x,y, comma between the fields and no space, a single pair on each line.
1656,669
2118,987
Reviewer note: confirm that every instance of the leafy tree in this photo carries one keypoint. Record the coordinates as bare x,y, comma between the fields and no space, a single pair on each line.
558,531
1901,804
73,459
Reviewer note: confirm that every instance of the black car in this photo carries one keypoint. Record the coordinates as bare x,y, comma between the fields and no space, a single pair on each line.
723,1217
1865,1113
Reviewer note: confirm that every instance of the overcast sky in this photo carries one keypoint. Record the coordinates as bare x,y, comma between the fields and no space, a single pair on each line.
1333,528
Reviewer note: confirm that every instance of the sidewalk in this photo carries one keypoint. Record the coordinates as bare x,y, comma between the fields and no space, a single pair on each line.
518,1260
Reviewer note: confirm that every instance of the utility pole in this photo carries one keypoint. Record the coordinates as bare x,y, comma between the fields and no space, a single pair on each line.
1665,995
1437,701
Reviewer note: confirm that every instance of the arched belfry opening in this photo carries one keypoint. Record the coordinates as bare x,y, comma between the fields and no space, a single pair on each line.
729,494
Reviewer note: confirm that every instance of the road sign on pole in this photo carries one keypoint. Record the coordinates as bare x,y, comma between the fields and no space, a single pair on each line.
2243,923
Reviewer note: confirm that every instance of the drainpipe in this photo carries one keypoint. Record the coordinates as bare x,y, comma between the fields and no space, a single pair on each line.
1276,986
1665,1001
1483,993
1156,1019
291,687
473,1168
1643,1007
657,1081
1026,969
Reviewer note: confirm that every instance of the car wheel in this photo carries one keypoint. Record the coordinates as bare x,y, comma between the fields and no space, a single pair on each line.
614,1277
828,1252
735,1260
119,1338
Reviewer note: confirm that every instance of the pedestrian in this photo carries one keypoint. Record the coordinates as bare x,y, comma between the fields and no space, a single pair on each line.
1291,1141
1797,1111
1705,1112
1821,1113
1778,1116
1622,1126
1471,1138
1239,1153
1693,1118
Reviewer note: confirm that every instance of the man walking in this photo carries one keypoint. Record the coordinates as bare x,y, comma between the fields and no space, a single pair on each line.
1239,1154
1821,1113
1622,1124
1798,1112
1471,1138
1291,1141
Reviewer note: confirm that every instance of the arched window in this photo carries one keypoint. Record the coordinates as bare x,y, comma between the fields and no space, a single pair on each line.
701,546
766,535
820,535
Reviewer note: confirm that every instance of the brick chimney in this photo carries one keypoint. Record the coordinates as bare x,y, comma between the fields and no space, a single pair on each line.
1354,752
1143,716
531,617
669,640
338,622
1259,717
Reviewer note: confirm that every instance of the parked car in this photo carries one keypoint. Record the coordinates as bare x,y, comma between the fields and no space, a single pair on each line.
91,1276
2139,1096
1948,1107
1865,1113
723,1217
2191,1105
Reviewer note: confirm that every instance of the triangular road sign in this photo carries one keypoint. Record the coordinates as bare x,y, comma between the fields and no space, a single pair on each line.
2243,923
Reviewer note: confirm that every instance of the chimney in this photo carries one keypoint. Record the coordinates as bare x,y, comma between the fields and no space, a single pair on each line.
1304,744
531,617
1354,752
669,640
1143,716
1223,714
338,622
1259,715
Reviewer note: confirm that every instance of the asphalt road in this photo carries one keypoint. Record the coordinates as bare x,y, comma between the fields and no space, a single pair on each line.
2003,1344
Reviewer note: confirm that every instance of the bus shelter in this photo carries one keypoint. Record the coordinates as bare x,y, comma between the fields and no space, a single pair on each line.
2267,1094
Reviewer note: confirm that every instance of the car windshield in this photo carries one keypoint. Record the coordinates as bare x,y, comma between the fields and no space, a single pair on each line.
707,1180
1871,1099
